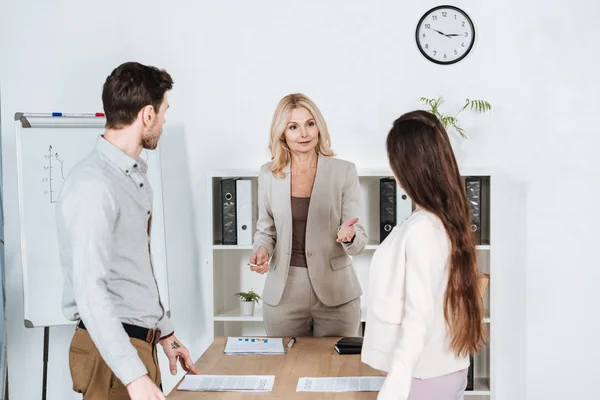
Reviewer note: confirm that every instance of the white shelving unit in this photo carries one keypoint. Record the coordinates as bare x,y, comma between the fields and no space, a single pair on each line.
231,274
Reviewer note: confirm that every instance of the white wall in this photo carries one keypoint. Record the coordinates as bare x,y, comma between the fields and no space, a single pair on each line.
535,61
2,297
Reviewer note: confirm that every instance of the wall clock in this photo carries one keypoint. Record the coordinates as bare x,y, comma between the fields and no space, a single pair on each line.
445,35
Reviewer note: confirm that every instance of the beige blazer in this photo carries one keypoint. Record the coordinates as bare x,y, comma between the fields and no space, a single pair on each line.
335,199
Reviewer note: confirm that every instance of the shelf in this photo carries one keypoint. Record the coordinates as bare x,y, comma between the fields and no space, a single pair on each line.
235,173
384,172
235,315
477,247
232,247
362,173
481,387
367,247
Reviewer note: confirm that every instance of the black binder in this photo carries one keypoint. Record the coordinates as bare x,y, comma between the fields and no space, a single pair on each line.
473,187
387,207
228,203
470,375
478,192
349,345
485,210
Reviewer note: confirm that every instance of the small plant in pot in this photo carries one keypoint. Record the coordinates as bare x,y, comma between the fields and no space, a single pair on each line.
248,299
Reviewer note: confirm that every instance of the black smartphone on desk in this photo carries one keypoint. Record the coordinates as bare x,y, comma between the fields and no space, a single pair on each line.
349,345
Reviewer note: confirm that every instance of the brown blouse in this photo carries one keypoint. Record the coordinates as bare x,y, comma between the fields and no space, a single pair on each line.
299,216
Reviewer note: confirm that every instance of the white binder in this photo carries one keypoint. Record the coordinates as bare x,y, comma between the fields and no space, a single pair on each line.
246,210
403,205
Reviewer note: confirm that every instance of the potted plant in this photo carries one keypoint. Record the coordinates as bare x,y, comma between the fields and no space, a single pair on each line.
449,121
248,299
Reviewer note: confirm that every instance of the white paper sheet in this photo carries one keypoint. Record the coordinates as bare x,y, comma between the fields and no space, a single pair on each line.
250,345
341,384
234,383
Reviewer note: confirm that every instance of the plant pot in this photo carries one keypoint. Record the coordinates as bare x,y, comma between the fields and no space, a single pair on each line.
247,307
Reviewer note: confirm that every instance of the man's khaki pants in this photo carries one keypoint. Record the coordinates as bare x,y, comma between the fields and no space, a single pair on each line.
92,377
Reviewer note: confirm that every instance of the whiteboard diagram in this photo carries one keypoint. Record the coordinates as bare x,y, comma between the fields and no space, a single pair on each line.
54,174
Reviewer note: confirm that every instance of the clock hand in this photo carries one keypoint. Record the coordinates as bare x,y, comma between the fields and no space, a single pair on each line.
441,33
453,34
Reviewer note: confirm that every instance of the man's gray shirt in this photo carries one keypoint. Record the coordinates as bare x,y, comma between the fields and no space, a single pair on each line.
104,212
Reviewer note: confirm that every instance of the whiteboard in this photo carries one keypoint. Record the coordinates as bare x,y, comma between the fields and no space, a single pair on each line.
47,147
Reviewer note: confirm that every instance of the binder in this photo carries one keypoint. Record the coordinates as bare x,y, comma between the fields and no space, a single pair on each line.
473,188
485,210
404,207
387,207
246,210
228,203
478,192
470,375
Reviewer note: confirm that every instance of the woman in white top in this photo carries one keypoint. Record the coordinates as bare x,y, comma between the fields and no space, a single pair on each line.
424,311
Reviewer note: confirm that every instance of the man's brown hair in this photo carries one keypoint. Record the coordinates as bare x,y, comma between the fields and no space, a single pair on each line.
129,88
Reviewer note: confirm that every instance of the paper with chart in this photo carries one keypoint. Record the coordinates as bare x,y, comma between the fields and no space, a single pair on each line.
254,345
236,383
341,384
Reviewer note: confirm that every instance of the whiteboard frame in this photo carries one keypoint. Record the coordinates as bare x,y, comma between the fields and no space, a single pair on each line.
32,121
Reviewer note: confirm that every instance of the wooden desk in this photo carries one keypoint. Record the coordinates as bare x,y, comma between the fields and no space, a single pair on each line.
309,357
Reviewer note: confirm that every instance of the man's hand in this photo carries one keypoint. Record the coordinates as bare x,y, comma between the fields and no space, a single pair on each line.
144,389
347,231
176,351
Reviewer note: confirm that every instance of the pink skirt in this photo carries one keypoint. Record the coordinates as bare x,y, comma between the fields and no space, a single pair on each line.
445,387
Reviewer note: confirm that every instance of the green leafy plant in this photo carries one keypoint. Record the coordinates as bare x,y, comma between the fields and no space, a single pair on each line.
248,296
449,121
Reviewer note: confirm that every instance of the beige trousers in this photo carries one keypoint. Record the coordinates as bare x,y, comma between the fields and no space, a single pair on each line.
92,377
301,313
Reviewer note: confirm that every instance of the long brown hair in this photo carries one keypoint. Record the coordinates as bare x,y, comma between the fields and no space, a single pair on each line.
422,160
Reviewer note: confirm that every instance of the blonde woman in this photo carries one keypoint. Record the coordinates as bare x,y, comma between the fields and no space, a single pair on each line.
308,226
425,313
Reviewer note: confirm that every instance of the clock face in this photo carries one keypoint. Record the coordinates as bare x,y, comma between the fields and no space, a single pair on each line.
445,34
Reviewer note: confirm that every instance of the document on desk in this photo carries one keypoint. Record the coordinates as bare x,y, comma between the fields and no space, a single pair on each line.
250,345
229,383
341,384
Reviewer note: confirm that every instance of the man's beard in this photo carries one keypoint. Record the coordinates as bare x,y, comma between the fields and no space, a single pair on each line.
150,141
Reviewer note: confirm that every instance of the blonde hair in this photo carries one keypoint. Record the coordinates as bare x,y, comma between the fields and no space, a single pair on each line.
280,152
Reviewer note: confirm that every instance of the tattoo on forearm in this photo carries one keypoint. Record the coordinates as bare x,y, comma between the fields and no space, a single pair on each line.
175,345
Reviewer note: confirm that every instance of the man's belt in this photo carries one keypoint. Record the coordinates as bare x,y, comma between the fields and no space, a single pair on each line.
137,332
